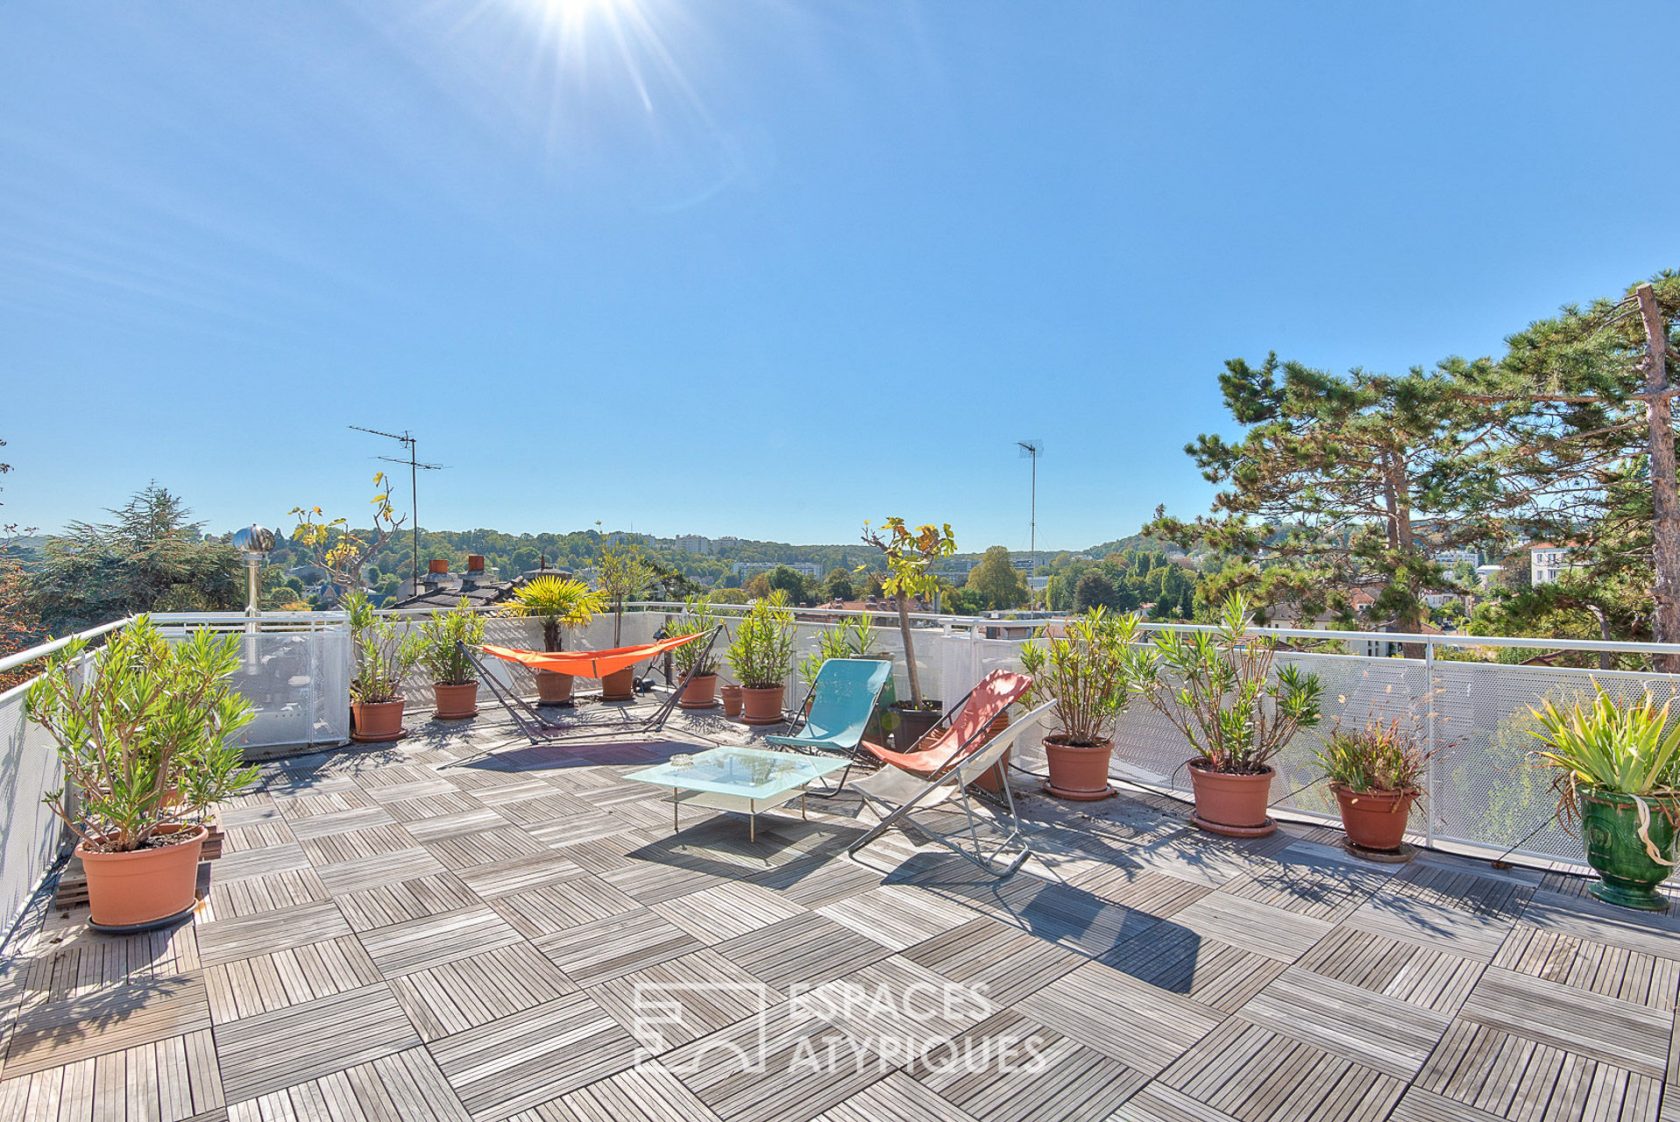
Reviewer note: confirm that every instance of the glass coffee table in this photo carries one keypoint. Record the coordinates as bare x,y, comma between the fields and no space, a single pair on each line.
739,780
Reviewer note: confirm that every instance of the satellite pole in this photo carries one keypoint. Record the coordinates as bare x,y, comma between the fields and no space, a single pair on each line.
410,442
1033,449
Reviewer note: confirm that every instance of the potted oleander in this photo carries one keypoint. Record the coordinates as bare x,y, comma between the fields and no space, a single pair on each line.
1083,671
445,640
1618,771
557,603
1376,773
147,733
761,654
697,618
383,654
1237,709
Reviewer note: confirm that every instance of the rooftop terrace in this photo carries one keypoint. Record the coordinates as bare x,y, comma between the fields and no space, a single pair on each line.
426,932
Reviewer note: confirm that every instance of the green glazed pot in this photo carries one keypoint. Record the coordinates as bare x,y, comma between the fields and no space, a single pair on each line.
1610,824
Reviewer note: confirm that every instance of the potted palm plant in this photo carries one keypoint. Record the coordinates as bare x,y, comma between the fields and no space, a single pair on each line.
623,574
146,731
697,618
1237,710
1084,672
1377,774
383,653
444,638
761,654
557,603
1618,768
910,555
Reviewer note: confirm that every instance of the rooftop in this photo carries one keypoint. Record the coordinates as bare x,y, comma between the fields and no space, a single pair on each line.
426,931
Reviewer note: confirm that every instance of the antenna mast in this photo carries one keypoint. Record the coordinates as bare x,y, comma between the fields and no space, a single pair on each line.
411,443
1032,449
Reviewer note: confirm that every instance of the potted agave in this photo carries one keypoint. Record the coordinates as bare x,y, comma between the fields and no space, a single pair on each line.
146,732
697,618
1377,774
383,654
454,677
1084,672
761,654
1618,768
1237,710
556,603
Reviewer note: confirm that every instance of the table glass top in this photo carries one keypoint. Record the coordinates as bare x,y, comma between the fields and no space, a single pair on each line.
747,772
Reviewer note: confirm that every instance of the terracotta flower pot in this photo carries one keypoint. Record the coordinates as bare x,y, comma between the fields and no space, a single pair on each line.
553,689
1616,849
731,701
147,886
1231,803
620,685
456,702
1078,772
994,777
762,706
700,693
914,723
377,721
1375,819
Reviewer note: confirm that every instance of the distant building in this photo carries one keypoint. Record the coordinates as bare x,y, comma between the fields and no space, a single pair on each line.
1547,562
694,543
1451,558
954,569
751,568
1488,574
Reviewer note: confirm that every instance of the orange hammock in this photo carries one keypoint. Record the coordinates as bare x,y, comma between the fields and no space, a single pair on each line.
590,664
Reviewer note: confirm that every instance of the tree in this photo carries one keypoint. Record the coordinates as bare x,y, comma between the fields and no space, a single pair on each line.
1341,482
622,574
1094,590
791,583
345,553
838,586
149,557
910,555
997,580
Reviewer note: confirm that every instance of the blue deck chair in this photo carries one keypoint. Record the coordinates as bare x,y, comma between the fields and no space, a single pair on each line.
843,698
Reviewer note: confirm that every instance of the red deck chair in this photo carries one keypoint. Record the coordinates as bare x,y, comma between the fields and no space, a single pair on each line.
960,732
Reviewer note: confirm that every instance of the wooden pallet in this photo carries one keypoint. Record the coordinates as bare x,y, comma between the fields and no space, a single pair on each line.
72,883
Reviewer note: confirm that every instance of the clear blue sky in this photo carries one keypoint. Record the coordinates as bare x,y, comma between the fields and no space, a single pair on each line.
772,268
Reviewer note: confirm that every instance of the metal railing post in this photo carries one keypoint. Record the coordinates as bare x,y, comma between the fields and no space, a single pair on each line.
1429,739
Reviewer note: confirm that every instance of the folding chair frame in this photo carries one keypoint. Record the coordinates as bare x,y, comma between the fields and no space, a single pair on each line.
826,792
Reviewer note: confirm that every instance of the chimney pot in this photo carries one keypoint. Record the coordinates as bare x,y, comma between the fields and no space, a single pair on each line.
475,562
438,565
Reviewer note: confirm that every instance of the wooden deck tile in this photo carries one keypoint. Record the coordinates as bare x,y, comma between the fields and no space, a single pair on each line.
607,948
1160,1103
1140,1025
895,1008
1492,897
1600,1028
537,1054
1509,1075
273,1051
265,982
504,878
1007,962
1009,1068
897,916
265,932
504,843
645,1093
704,992
1378,1032
446,802
467,992
340,822
897,1097
420,944
654,882
256,835
1437,980
389,904
468,820
1146,890
111,1020
1602,968
726,910
267,893
806,950
1430,925
375,869
1322,893
1069,916
1206,970
260,862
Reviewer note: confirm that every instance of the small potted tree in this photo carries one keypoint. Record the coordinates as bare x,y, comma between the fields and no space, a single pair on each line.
910,555
146,731
557,603
623,574
1221,691
383,653
1084,672
454,677
1377,774
761,654
1618,769
697,618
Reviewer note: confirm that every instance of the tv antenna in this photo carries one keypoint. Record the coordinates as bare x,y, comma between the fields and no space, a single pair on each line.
411,443
1032,449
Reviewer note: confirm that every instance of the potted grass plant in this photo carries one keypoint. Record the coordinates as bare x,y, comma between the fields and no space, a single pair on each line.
146,730
697,618
383,653
761,654
1618,770
557,603
1083,671
1222,690
444,639
1376,773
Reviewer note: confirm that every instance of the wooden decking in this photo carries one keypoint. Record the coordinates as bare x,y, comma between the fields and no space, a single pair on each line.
394,935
